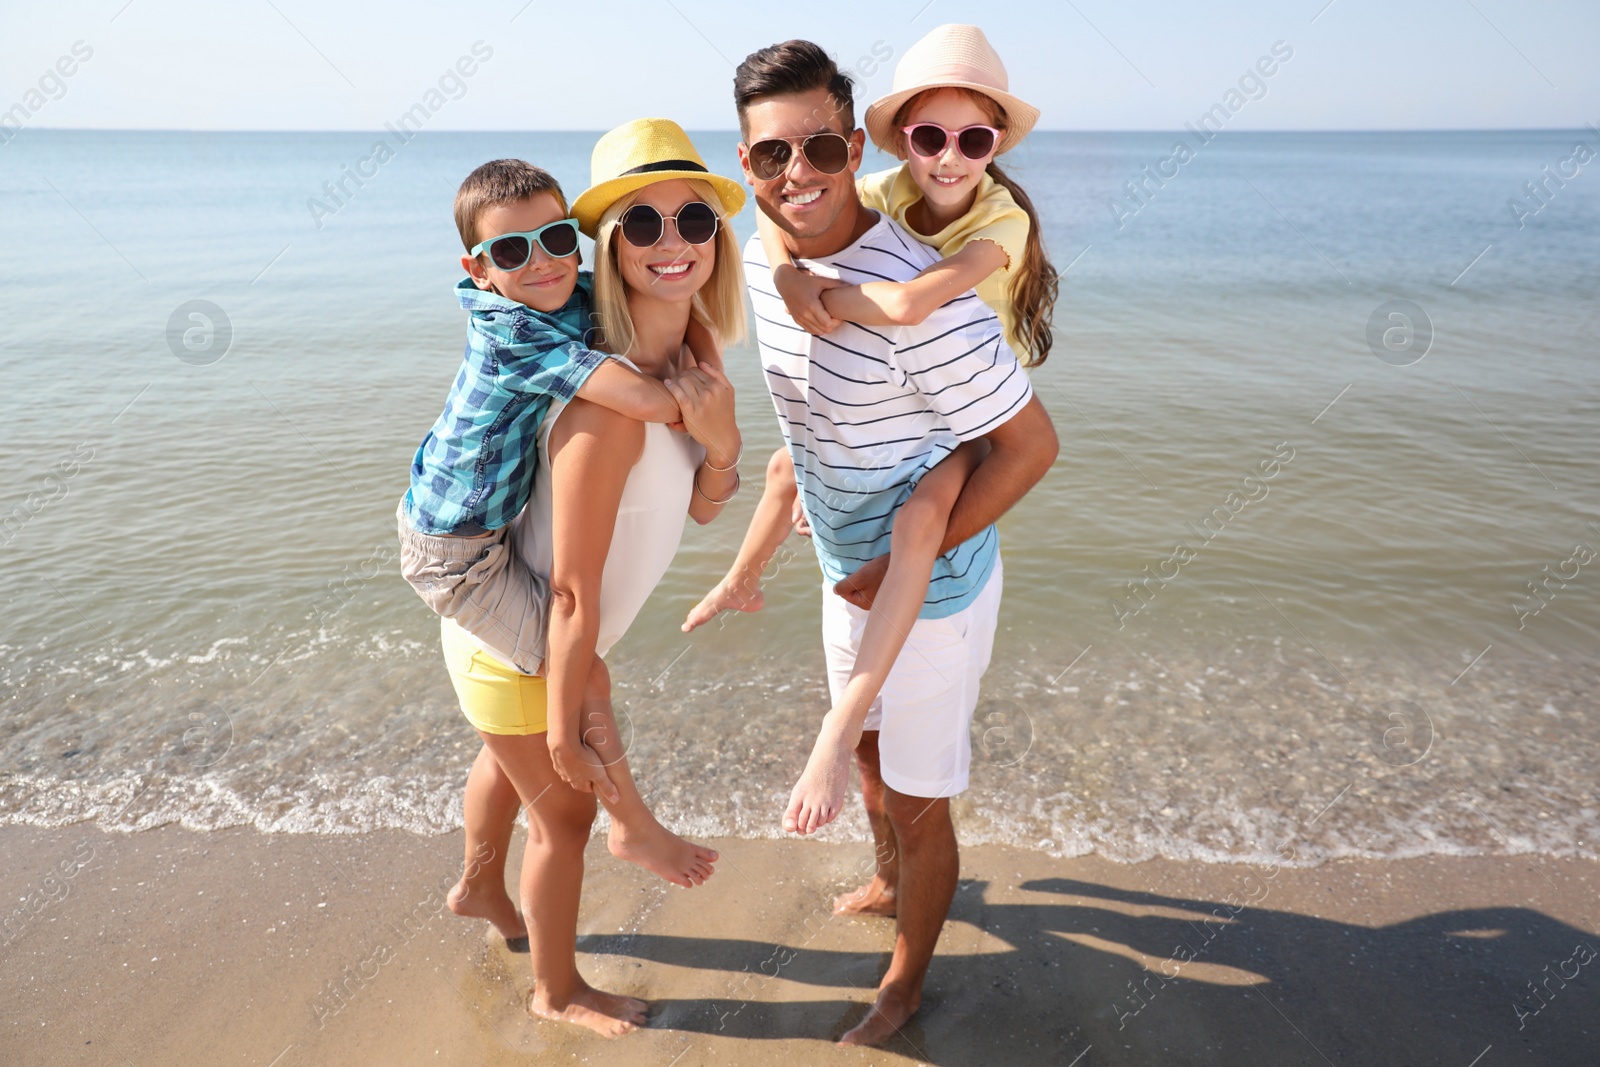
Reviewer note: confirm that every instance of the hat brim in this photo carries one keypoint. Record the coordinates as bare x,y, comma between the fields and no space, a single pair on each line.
593,201
1020,115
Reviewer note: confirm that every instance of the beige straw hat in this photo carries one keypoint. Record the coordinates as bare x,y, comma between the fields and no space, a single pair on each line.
951,56
640,153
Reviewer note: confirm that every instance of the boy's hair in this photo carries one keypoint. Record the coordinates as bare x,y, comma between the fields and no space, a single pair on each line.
788,68
500,181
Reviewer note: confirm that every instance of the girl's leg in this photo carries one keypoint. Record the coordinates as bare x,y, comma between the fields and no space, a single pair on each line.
490,811
559,818
740,589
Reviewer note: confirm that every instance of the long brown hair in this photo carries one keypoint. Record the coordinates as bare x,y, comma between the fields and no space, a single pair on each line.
1035,284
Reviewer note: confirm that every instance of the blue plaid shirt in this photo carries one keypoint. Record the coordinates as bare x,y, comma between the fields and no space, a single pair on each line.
474,470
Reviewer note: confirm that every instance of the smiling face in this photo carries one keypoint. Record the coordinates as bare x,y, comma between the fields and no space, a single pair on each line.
948,181
545,282
812,207
672,269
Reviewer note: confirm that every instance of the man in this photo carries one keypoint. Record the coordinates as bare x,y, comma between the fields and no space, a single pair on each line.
864,411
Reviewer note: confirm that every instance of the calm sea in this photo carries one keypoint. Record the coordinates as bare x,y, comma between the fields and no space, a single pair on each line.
1316,570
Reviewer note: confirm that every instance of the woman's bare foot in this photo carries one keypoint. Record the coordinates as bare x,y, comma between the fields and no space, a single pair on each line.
731,594
874,898
818,796
662,853
480,901
894,1008
607,1014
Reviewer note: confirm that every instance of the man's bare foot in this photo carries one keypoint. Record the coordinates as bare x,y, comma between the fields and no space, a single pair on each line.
874,898
607,1014
818,796
894,1008
730,594
481,901
662,853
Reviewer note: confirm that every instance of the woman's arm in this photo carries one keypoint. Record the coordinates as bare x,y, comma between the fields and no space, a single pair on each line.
706,399
592,449
909,303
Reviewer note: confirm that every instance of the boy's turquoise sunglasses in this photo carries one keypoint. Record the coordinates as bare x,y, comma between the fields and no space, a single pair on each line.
511,251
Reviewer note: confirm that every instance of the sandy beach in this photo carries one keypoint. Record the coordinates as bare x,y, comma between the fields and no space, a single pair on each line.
236,947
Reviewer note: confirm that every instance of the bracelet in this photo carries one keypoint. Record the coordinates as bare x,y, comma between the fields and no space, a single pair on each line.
725,499
729,467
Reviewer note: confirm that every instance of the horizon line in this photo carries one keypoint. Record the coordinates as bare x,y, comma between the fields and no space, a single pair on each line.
734,129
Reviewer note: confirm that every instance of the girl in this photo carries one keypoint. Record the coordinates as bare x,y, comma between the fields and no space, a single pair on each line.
949,116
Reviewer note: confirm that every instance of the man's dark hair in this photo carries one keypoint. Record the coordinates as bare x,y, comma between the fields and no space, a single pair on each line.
789,68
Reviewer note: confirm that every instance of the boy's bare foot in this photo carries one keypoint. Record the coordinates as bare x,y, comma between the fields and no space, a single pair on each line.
662,853
818,796
894,1008
482,902
730,594
874,898
607,1014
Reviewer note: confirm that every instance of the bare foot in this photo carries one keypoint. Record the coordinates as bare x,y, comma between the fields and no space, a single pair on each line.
893,1010
607,1014
662,853
731,594
874,898
818,796
482,902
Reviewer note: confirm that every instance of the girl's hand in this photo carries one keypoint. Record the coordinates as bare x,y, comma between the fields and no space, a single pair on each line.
802,295
705,397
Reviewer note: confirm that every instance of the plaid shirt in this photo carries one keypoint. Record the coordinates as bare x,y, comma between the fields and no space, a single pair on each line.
474,470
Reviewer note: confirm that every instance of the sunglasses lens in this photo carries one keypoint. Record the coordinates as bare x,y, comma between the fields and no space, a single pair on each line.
976,143
641,225
927,140
768,159
560,240
509,253
828,152
697,223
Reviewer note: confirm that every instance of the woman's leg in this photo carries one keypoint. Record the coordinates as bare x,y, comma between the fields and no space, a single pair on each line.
559,819
490,812
740,588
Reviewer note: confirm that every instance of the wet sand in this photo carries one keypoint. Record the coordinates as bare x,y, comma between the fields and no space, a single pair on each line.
227,947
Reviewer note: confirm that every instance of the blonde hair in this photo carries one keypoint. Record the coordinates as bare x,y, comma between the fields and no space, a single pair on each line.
719,304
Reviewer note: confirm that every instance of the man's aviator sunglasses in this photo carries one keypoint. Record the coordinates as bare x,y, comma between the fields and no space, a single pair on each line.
828,153
511,251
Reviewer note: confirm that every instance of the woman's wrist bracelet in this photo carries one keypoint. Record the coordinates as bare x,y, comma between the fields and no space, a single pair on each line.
725,499
729,467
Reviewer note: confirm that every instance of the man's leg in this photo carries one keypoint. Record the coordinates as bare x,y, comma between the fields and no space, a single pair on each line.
877,897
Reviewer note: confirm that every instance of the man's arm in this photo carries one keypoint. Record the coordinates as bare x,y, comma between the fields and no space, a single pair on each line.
1021,451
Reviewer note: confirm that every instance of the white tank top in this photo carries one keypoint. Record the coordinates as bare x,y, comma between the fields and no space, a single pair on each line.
655,502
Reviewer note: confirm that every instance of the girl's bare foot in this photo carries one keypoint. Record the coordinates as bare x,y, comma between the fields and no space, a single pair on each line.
730,594
894,1008
481,901
607,1014
874,898
818,796
662,853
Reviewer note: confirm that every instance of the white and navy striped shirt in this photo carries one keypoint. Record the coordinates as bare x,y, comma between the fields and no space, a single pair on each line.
866,410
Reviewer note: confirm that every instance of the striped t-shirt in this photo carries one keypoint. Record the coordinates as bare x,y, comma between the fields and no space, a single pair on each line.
866,410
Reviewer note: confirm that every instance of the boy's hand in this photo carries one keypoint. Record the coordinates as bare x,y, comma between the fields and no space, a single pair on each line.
861,587
802,295
580,767
705,397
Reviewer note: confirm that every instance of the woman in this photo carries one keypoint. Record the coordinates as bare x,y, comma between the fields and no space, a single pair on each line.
605,520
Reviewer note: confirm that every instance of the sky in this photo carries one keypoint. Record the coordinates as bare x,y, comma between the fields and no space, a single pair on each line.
1087,64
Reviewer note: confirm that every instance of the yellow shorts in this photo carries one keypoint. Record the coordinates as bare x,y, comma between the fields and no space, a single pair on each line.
495,698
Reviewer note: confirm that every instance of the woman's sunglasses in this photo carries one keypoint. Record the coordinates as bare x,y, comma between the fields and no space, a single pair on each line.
828,153
643,225
929,139
511,251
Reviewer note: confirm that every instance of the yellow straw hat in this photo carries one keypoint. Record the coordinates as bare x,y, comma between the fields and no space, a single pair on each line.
951,56
641,153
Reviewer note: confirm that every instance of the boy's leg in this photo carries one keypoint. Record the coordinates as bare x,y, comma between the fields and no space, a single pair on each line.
740,589
559,819
490,813
636,835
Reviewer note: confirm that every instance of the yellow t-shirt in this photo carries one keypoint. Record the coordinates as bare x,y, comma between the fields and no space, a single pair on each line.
994,216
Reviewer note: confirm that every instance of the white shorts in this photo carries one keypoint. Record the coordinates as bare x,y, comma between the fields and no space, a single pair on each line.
924,712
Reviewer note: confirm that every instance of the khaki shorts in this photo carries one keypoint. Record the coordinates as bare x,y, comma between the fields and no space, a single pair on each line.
483,586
